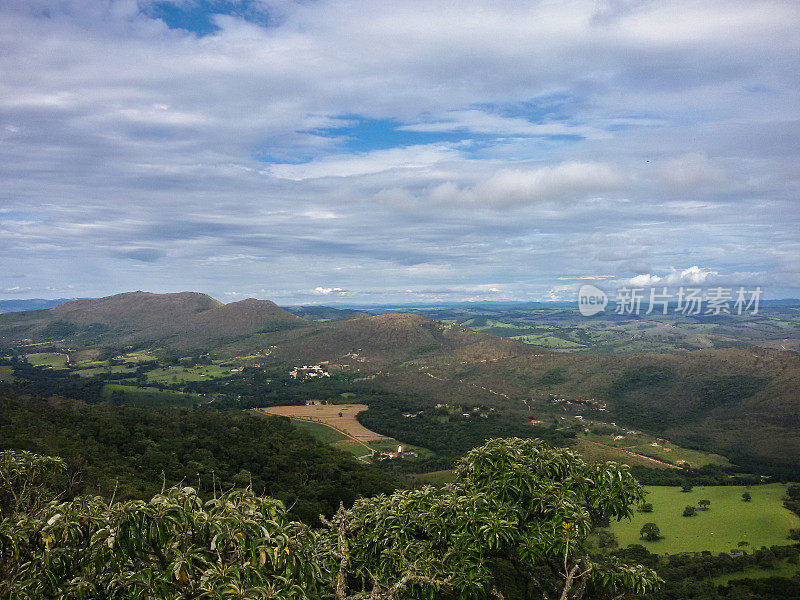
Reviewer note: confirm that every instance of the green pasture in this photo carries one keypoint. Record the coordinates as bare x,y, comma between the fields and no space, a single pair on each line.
761,522
150,396
47,359
782,569
330,436
666,451
183,374
139,356
101,370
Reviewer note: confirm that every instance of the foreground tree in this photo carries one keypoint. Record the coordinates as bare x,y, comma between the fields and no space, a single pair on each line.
174,547
27,481
516,505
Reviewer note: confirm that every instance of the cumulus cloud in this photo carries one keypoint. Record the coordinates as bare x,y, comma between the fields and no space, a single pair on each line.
694,275
326,291
568,181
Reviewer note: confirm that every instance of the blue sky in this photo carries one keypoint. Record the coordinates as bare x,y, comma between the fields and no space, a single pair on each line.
372,152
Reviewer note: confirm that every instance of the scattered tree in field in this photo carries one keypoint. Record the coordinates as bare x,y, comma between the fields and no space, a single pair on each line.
746,497
686,487
742,544
704,504
689,511
650,532
646,507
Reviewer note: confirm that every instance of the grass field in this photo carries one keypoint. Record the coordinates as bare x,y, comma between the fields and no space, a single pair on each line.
139,356
92,371
761,522
47,359
183,374
328,435
665,451
150,396
595,452
783,569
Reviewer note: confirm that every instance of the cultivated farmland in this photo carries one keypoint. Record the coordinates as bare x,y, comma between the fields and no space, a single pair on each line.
339,416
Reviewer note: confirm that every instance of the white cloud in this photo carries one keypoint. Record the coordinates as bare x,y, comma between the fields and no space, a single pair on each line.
689,171
508,188
323,291
411,157
694,275
477,121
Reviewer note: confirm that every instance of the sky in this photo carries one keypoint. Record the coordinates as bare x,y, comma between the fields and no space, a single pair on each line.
397,152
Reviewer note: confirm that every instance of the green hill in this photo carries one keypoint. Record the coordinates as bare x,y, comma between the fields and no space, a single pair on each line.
185,320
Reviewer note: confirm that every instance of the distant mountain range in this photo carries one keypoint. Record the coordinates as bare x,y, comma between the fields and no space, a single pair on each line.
321,312
7,306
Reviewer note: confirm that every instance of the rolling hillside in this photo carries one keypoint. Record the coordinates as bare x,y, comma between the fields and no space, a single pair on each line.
741,402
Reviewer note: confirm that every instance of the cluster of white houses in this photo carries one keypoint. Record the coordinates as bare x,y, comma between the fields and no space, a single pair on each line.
399,453
309,372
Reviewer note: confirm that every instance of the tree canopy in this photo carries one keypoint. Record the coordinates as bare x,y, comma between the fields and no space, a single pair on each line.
515,503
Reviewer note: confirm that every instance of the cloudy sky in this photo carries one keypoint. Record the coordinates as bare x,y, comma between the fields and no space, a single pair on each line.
361,151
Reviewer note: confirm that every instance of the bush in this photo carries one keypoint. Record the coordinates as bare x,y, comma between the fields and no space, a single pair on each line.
689,511
650,532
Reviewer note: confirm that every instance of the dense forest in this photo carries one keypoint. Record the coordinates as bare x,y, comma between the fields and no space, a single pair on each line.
137,450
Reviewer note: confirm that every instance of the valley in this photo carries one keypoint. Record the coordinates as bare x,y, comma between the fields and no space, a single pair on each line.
720,419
